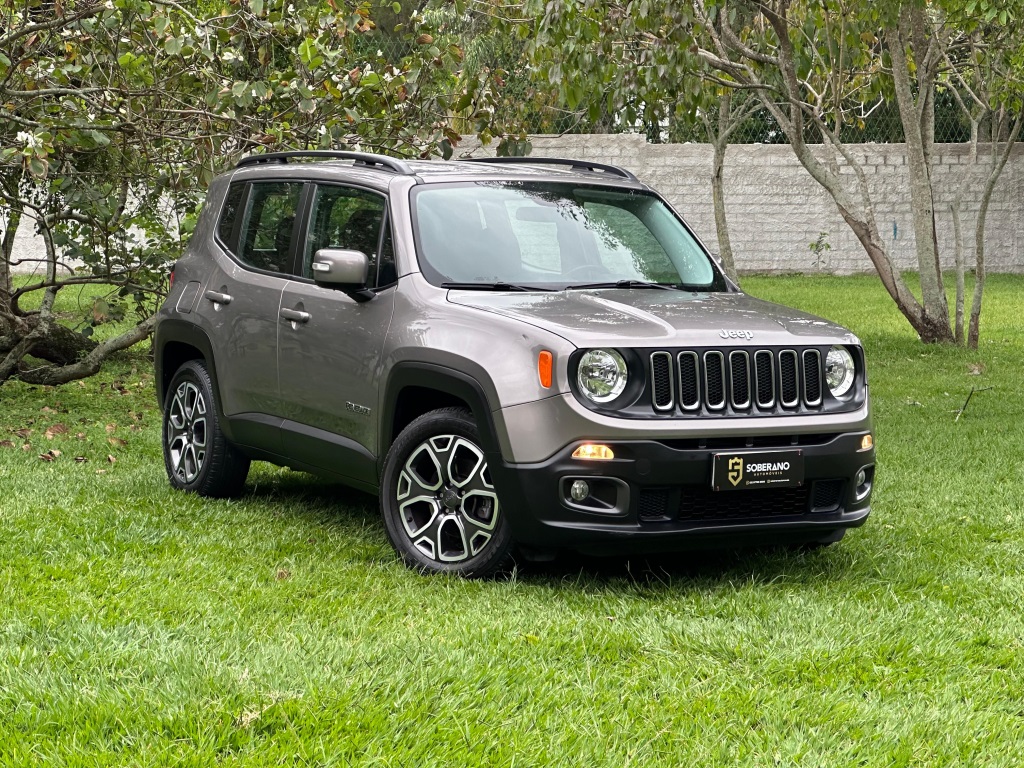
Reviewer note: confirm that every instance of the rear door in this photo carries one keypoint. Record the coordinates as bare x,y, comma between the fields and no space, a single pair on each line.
241,304
330,361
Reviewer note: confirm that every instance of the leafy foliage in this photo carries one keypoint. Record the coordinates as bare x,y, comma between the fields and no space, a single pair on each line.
116,114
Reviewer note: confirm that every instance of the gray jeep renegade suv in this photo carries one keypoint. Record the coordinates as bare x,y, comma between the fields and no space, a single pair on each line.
529,353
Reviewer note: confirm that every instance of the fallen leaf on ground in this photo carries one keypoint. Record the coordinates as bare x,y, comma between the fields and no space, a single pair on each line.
50,455
81,459
110,428
80,435
976,369
26,447
117,441
56,429
24,433
101,471
48,409
283,573
111,459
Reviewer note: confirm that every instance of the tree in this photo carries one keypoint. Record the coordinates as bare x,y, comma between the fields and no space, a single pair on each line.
815,67
114,116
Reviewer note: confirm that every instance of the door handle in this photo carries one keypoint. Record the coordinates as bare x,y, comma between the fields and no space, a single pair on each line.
295,315
218,298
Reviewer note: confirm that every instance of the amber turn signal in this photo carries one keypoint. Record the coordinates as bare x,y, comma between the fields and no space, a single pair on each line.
867,443
544,368
592,451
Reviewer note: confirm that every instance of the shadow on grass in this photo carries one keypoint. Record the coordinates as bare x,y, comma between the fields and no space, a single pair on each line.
338,506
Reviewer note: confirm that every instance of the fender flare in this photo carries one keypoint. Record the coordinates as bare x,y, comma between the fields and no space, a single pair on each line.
443,379
178,331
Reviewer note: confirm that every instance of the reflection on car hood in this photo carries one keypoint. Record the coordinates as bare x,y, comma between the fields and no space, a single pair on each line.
661,318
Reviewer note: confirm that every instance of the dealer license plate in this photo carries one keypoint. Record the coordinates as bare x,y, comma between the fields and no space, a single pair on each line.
744,470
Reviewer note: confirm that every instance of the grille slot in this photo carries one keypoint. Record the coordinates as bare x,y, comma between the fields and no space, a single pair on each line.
764,378
699,503
827,495
714,380
689,381
789,390
652,504
661,381
739,376
812,377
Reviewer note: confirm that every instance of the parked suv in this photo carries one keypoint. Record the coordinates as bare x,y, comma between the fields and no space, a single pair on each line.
514,353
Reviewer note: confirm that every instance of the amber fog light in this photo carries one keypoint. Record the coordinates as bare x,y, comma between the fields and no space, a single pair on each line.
594,452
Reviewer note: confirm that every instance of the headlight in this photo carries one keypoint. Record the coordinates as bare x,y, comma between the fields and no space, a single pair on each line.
839,371
602,375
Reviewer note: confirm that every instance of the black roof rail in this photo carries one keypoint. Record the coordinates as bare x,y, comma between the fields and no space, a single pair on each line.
361,158
577,165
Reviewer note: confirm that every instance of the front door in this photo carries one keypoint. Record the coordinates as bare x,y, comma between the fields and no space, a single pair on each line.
330,358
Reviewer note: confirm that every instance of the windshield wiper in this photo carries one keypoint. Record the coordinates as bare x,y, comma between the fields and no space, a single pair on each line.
624,284
493,287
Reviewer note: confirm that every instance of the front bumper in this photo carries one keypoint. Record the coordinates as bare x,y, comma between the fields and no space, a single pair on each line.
656,495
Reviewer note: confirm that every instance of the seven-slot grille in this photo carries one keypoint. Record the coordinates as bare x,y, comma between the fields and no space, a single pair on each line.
738,380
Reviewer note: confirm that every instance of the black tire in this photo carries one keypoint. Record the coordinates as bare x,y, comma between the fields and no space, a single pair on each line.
439,507
197,455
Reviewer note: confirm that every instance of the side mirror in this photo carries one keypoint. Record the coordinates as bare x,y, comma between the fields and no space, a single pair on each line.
343,269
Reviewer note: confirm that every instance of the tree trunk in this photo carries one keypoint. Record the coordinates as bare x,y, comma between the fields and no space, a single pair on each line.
718,198
916,117
58,345
998,164
7,248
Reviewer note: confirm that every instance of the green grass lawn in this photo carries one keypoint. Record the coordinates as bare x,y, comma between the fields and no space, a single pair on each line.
144,627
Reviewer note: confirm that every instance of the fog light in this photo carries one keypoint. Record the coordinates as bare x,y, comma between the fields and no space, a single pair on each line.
592,451
867,443
580,490
861,478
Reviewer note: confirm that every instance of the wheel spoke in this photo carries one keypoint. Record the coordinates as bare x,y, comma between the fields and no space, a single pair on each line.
424,469
451,540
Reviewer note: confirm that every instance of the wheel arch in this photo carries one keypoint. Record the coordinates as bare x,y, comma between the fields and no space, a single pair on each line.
415,388
175,343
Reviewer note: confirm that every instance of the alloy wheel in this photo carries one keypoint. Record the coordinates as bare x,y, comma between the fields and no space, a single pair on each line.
446,501
187,432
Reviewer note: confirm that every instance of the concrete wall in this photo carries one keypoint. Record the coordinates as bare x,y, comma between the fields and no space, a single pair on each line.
776,209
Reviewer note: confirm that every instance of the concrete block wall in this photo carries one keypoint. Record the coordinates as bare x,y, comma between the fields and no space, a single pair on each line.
776,210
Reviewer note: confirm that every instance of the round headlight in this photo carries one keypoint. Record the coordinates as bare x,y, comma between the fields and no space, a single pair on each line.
839,371
602,375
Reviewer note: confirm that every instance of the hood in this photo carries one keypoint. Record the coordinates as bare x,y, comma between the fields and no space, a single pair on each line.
647,317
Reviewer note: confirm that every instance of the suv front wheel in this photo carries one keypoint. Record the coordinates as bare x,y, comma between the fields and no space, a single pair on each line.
439,506
197,454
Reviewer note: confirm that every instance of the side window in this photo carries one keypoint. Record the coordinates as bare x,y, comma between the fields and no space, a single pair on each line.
266,237
229,213
342,217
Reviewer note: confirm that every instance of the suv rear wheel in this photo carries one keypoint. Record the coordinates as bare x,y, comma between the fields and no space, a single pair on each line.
439,506
197,454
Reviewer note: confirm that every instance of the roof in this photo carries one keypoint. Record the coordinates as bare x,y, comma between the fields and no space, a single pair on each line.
448,170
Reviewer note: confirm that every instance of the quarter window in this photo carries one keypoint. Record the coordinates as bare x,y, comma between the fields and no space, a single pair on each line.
229,213
267,226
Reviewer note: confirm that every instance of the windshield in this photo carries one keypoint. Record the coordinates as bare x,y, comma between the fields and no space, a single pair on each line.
555,236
